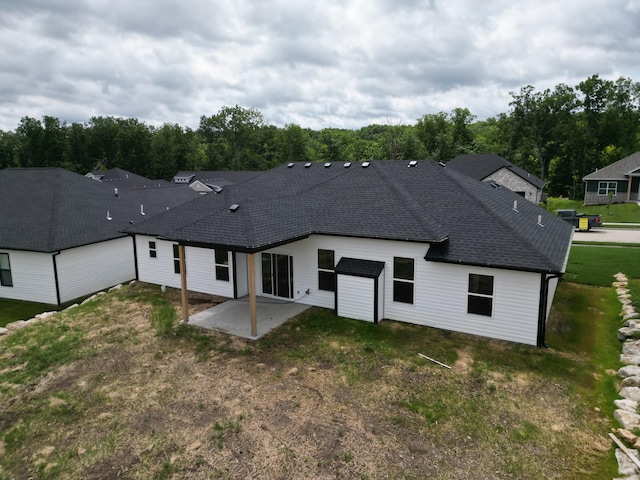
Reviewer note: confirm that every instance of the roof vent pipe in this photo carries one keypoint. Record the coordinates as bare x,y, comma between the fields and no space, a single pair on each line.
141,209
540,221
365,164
108,216
115,191
412,163
234,207
307,165
347,164
515,205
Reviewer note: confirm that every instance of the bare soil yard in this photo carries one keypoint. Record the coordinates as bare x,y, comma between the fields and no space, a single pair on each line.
313,399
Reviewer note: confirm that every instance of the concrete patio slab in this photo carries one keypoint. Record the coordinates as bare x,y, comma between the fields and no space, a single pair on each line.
233,316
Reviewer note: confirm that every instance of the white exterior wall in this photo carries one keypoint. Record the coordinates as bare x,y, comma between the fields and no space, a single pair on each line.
33,277
355,297
201,268
88,269
440,292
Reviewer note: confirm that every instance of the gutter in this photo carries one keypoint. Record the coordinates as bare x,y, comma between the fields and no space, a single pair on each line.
542,307
55,275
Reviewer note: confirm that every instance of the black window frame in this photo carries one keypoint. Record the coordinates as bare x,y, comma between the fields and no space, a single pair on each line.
222,265
326,270
176,258
404,280
153,250
481,289
6,278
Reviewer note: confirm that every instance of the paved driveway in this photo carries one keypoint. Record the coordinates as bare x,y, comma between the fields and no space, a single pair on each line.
612,235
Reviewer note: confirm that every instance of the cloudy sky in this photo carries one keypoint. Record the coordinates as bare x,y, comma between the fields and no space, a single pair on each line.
322,63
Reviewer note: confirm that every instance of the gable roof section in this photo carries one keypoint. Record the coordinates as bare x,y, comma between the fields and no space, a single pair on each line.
470,221
480,166
121,178
61,209
619,170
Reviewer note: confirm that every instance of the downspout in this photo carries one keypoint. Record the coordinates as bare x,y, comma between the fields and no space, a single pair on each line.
55,275
135,255
542,307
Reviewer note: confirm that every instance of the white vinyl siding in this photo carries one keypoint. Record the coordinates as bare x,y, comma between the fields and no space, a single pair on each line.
32,277
88,269
358,303
201,268
440,289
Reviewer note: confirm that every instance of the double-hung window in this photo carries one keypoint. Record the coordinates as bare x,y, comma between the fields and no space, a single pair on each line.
606,188
326,270
222,265
153,252
176,258
403,279
480,297
5,271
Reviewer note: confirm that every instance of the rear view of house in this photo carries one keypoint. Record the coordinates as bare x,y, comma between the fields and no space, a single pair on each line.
410,241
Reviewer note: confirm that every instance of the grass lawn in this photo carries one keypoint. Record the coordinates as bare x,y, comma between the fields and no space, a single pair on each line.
100,391
620,212
12,310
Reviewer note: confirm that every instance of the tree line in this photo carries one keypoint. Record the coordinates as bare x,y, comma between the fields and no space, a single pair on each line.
558,134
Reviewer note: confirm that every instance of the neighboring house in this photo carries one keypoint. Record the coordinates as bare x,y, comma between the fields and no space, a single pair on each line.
117,177
205,182
410,241
494,168
621,180
60,233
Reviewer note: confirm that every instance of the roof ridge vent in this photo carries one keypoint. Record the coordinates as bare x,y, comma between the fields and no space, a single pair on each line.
307,165
365,164
412,163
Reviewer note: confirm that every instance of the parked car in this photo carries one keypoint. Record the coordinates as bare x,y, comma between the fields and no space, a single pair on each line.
581,221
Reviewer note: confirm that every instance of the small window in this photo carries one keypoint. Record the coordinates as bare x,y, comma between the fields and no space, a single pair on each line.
606,188
403,279
176,259
480,299
326,270
5,271
153,253
222,265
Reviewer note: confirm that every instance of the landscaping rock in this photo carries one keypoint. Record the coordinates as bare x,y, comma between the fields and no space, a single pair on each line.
71,307
631,347
629,371
626,404
631,382
45,315
621,277
625,464
627,436
631,393
3,331
17,325
627,420
630,359
87,300
116,287
628,332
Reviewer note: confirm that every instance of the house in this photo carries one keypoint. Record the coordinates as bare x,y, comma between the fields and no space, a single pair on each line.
494,168
60,233
415,241
615,183
211,181
117,177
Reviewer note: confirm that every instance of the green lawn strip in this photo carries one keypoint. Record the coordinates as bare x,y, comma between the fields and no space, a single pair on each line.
596,265
12,310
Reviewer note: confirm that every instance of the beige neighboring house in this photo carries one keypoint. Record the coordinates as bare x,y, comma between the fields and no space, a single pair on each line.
493,168
620,180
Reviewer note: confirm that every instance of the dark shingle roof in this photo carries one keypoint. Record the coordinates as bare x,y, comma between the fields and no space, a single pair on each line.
470,221
617,170
480,166
50,209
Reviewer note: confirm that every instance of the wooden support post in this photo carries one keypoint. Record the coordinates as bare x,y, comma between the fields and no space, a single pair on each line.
183,283
629,188
252,294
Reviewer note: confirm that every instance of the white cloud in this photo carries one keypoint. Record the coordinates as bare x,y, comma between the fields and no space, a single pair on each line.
318,64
